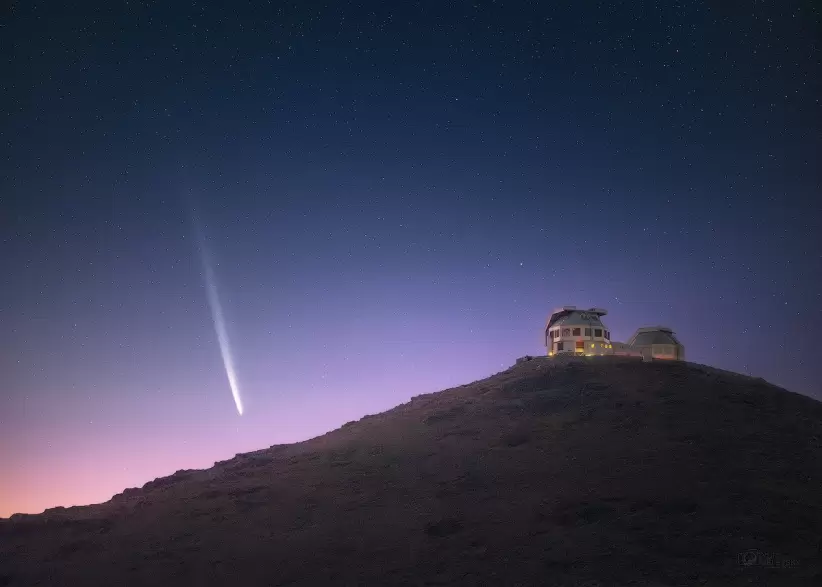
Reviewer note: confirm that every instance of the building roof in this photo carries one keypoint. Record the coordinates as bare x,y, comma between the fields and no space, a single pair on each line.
571,316
653,335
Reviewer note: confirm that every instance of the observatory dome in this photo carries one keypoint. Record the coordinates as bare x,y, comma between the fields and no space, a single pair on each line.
658,342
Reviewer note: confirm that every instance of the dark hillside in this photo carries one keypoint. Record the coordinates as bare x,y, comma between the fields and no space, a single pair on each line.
591,472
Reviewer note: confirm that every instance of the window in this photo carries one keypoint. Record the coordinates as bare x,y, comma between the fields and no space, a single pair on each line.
576,331
566,332
580,346
598,332
607,335
560,346
587,332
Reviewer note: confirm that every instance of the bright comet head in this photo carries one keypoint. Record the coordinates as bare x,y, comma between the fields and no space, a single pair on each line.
222,335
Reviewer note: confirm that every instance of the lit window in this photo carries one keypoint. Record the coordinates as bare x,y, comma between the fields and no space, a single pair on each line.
580,346
598,332
576,331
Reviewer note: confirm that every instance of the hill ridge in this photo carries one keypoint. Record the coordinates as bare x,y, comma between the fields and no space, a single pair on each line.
591,469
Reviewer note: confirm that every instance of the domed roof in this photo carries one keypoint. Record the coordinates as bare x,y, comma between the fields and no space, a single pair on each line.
653,335
571,316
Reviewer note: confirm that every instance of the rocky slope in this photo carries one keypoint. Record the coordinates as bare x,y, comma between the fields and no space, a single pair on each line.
592,472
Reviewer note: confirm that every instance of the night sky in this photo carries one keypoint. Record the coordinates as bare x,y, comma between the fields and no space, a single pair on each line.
392,197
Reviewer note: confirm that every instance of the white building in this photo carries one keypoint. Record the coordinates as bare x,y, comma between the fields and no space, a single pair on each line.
582,332
571,330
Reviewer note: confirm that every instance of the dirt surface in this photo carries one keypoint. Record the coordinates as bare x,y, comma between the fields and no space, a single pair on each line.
589,472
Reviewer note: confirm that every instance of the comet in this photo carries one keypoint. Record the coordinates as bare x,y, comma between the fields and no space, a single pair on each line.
217,314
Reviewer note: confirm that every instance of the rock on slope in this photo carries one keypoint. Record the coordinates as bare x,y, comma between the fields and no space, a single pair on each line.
591,472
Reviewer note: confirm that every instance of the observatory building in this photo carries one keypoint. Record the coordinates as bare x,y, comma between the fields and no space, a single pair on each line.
659,342
582,332
571,330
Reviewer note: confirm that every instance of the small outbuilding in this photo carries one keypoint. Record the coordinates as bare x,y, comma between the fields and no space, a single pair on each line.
657,342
